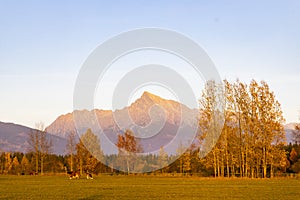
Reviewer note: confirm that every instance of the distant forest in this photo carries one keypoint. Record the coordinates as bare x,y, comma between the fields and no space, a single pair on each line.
240,135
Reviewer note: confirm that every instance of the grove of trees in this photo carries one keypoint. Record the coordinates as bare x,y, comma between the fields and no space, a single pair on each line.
251,142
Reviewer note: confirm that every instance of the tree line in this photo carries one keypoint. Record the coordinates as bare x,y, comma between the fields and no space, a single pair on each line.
240,135
189,163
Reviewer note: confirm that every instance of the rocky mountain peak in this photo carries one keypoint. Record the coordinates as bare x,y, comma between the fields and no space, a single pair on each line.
148,95
148,98
148,114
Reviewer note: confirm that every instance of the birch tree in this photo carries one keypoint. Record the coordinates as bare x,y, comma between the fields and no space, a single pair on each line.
40,145
210,122
128,147
162,158
89,153
71,148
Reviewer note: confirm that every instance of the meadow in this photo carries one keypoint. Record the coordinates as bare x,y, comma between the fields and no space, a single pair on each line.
146,187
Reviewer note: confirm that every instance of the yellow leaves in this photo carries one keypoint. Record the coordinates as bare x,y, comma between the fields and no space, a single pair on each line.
253,124
128,142
89,151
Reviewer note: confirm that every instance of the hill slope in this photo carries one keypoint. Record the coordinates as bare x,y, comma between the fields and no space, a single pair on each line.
14,138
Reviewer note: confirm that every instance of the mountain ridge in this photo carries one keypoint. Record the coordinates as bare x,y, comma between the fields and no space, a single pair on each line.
146,115
63,124
14,138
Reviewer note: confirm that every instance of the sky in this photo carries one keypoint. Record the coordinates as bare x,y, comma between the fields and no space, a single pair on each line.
43,45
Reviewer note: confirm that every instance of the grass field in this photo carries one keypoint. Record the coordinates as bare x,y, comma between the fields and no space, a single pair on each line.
146,187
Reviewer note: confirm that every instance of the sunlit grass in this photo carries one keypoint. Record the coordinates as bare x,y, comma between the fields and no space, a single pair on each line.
146,187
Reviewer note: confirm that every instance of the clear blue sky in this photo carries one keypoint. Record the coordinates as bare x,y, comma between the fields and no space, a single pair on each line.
44,43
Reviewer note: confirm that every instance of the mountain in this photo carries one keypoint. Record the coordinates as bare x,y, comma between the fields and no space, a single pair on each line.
155,120
289,128
14,138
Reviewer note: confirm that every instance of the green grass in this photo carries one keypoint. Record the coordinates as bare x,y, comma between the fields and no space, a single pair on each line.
146,187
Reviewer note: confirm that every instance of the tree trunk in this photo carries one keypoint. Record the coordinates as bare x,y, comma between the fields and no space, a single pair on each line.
71,162
222,166
227,165
36,163
257,171
180,167
243,165
264,163
42,164
218,166
226,153
232,167
215,165
271,168
240,145
80,166
127,162
246,162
